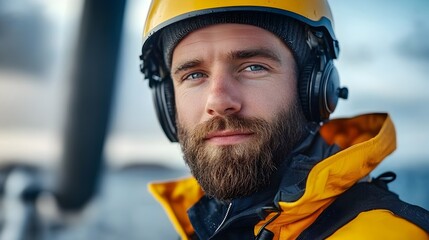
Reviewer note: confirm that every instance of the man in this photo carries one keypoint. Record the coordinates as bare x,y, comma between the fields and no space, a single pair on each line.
246,88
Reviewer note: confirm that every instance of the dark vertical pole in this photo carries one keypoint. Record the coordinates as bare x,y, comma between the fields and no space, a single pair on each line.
93,84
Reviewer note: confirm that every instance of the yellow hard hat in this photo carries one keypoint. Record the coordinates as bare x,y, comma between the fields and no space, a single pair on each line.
315,13
163,13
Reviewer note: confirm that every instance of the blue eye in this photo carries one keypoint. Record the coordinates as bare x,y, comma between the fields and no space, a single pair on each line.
255,68
195,75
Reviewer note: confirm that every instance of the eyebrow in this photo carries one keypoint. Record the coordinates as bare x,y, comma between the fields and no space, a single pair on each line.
187,65
257,52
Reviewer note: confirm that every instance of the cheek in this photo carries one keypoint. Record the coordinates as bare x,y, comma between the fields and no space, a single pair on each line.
266,100
188,109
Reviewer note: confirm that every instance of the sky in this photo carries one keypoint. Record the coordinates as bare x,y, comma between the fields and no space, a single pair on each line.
384,61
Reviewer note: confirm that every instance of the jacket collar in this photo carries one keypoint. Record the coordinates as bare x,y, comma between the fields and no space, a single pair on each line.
210,216
364,141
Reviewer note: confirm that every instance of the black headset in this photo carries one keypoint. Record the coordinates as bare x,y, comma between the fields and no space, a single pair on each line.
163,96
318,88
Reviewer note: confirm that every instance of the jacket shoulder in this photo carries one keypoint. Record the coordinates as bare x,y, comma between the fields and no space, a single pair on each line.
370,206
379,224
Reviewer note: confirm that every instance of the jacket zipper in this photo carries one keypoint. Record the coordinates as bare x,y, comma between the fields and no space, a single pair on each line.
224,219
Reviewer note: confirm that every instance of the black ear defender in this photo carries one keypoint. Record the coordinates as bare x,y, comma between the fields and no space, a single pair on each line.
319,86
163,95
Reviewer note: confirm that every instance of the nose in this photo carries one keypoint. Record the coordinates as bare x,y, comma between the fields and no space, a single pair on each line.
224,96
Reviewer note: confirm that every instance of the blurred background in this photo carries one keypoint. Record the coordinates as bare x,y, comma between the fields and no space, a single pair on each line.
384,61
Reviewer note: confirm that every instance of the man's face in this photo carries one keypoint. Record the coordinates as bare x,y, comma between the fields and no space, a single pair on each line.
237,110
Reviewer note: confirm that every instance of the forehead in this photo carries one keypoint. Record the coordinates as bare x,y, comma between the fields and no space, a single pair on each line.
226,37
227,31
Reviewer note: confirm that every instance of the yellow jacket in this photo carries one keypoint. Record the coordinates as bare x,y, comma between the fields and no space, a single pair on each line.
364,141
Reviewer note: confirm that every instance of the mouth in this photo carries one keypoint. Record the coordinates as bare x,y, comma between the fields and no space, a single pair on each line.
227,137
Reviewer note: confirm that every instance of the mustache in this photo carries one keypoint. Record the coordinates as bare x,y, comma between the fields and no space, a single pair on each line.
230,122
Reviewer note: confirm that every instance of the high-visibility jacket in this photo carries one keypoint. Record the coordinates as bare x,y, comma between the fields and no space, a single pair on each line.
364,141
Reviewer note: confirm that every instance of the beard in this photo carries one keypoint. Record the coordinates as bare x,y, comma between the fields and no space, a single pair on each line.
238,170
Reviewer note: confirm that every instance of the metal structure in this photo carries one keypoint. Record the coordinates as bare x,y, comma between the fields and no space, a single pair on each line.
93,84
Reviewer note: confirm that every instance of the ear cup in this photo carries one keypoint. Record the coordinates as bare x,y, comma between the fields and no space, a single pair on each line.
330,90
319,90
163,94
304,84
